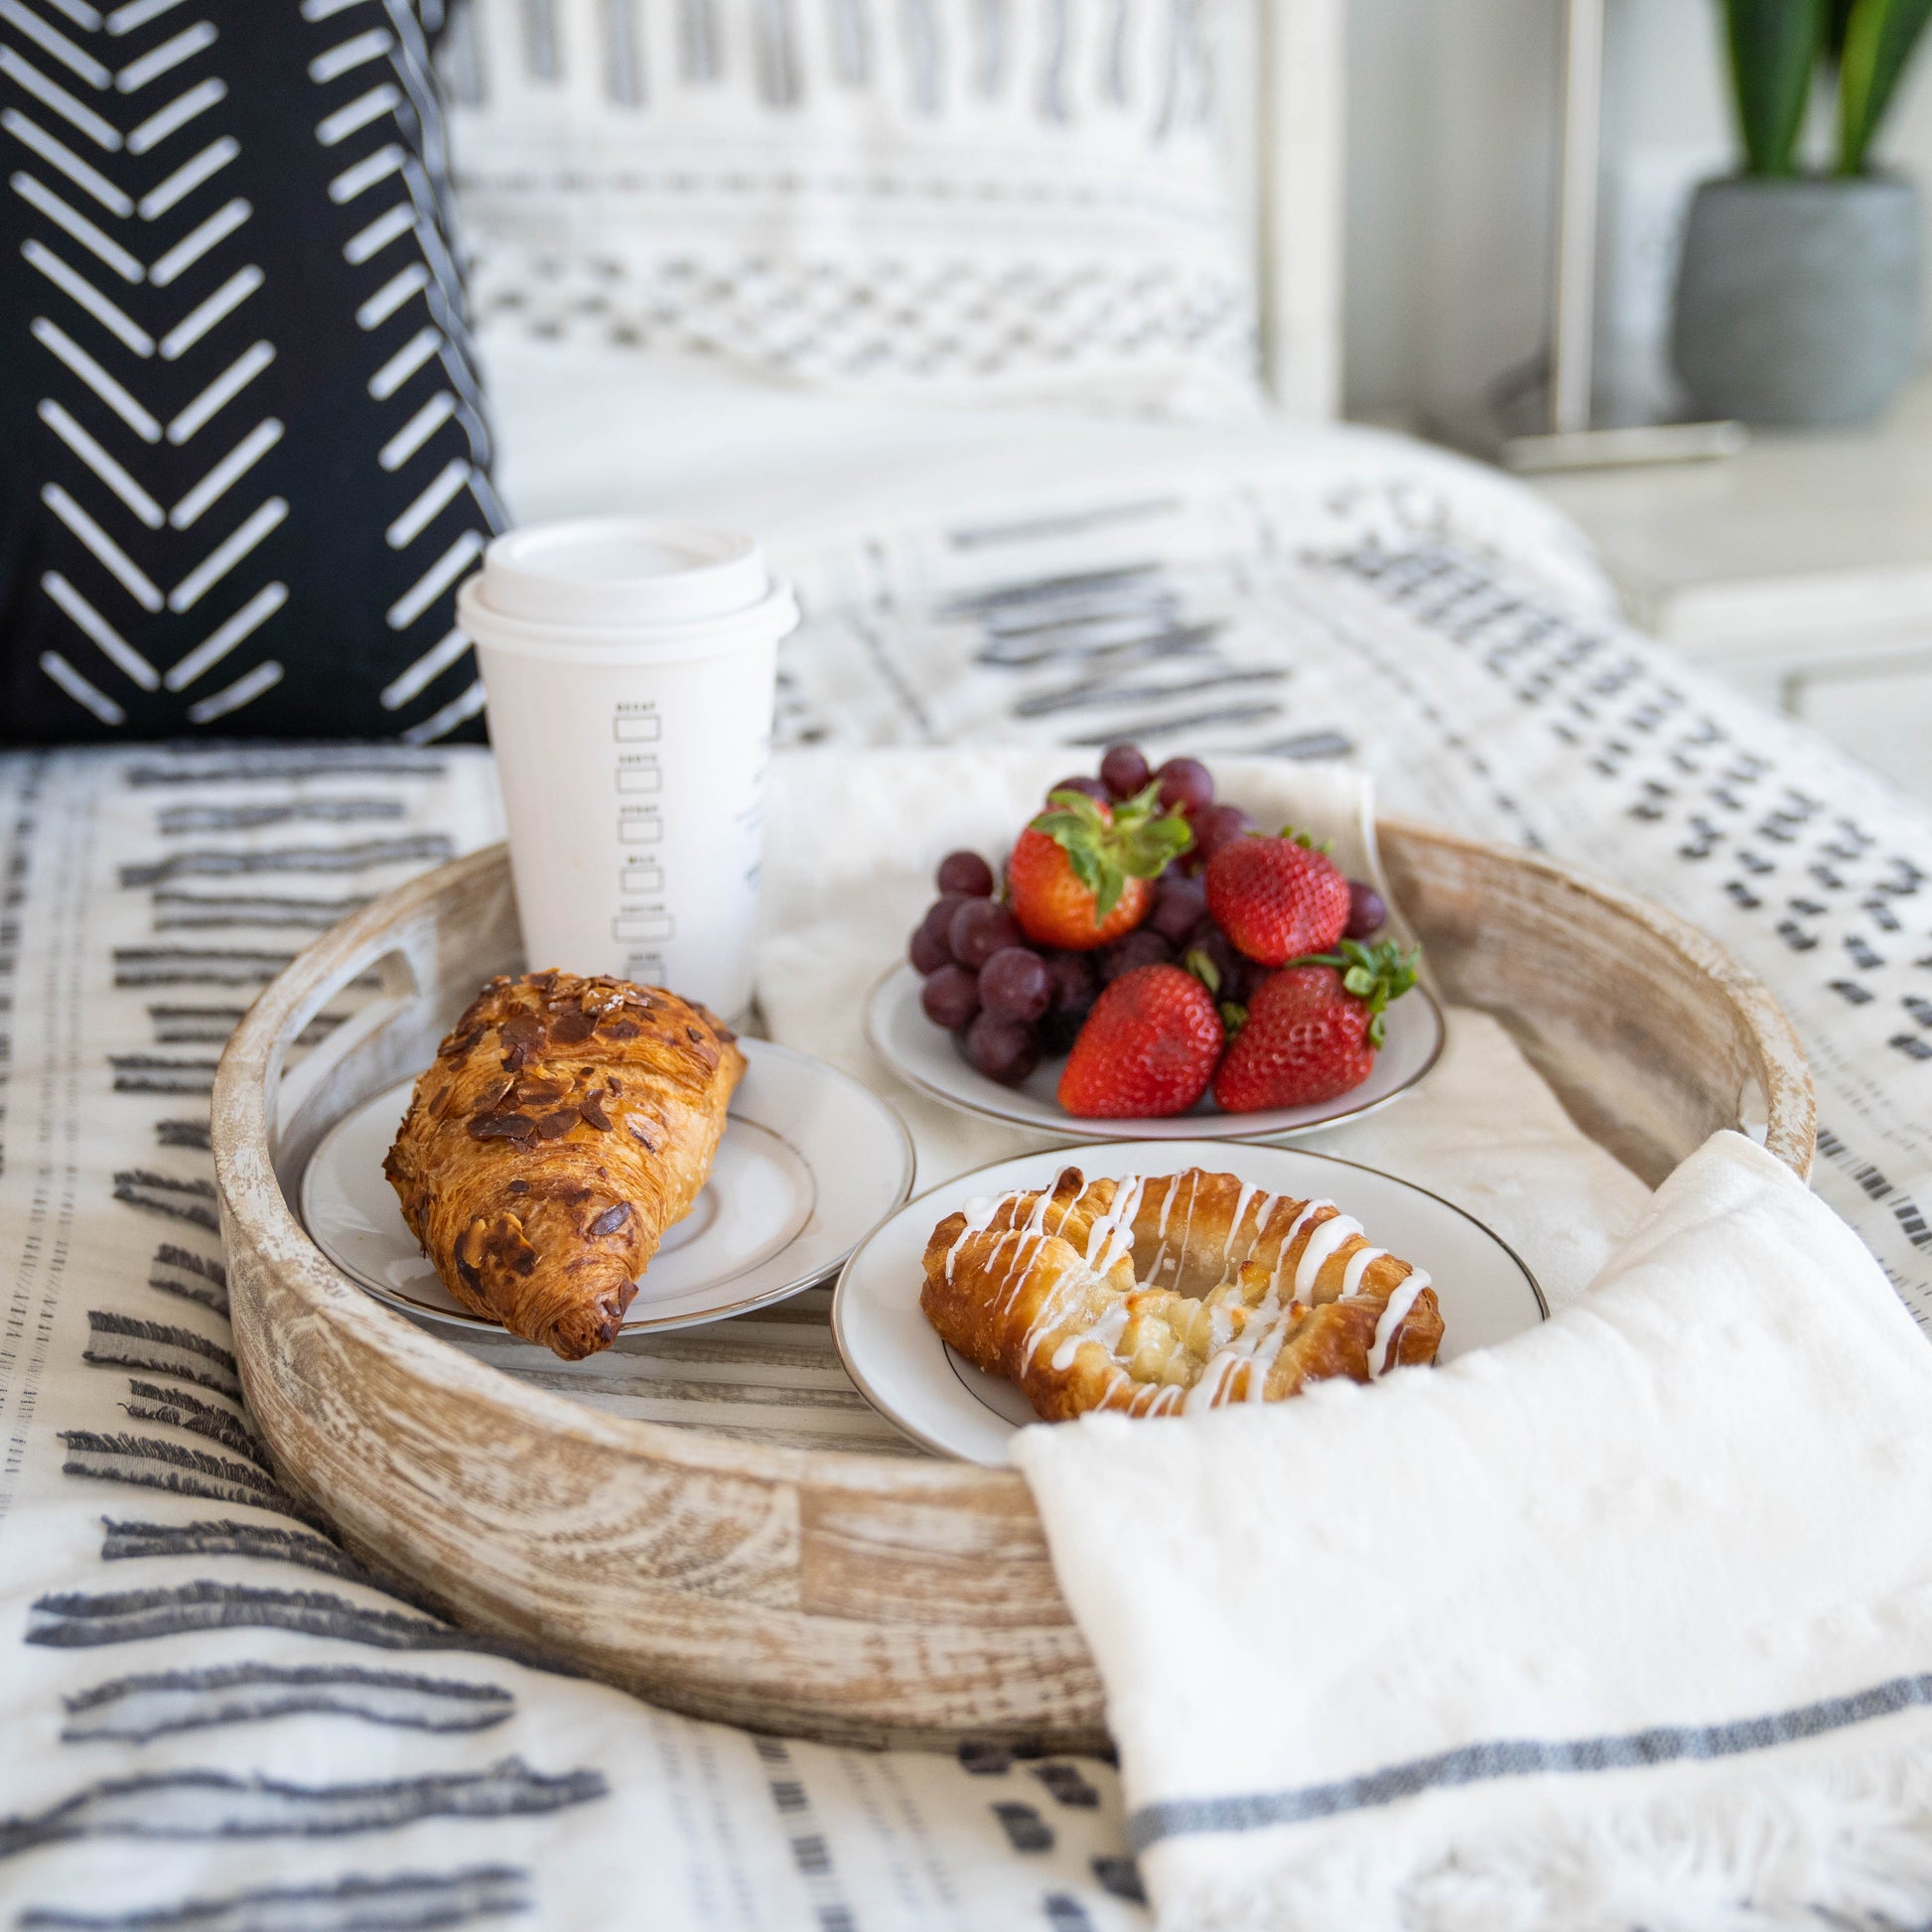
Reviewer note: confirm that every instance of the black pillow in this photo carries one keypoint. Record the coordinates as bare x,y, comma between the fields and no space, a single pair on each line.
246,457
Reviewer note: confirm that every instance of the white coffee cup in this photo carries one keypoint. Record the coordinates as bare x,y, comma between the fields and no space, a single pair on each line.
629,669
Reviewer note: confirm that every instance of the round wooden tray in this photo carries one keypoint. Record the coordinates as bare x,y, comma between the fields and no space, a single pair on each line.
838,1595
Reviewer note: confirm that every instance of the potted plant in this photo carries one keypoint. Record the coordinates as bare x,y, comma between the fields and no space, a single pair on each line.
1798,292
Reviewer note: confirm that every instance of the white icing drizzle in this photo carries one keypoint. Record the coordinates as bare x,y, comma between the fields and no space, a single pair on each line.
979,1213
1106,1331
1212,1380
1029,1237
1309,1209
1111,1238
1323,1241
1153,1275
1233,1234
1268,1347
1358,1266
1393,1316
1166,1208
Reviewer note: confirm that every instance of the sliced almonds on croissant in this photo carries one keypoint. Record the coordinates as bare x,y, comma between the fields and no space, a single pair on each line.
1161,1294
565,1125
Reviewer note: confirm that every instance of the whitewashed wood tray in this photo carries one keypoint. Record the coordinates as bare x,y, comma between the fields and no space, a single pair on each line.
669,1521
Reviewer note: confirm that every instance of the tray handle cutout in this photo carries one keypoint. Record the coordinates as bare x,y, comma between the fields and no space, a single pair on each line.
350,1062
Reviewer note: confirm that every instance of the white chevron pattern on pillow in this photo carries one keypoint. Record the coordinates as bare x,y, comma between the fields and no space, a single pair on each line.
147,223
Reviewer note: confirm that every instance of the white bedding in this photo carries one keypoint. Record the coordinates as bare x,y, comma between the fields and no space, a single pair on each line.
583,430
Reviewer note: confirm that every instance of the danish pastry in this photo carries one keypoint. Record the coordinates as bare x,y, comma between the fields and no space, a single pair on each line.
1169,1292
565,1124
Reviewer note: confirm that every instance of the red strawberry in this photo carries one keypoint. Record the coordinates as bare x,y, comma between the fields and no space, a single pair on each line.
1311,1030
1277,898
1079,875
1150,1047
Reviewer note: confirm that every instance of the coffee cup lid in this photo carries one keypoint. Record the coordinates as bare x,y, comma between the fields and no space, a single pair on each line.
622,571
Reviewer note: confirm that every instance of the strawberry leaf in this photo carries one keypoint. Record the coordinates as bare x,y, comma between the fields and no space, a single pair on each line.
1137,839
1234,1016
1073,812
1149,850
1204,969
1375,975
1136,811
1151,839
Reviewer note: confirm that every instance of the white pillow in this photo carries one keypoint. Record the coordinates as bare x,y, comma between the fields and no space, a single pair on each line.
966,200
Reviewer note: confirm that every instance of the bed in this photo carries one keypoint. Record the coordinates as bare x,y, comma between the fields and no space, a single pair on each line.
219,1718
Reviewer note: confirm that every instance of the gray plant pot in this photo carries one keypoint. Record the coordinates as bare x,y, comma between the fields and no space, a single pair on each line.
1798,301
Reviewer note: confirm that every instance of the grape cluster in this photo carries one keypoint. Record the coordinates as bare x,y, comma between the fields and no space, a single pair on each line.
1007,1001
1003,999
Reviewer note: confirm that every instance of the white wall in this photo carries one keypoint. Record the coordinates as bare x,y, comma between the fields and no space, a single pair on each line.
1452,163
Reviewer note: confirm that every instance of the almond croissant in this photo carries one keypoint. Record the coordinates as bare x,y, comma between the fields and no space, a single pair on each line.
565,1124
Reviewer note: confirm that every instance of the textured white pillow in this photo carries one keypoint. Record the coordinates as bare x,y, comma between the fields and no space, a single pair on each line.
969,200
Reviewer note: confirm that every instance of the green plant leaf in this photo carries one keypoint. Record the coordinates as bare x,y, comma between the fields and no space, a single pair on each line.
1880,37
1774,46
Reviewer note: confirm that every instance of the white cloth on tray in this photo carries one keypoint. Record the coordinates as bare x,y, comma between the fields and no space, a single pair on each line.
850,846
1625,1621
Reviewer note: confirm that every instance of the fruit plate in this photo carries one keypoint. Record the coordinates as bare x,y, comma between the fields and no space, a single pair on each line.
809,1162
933,1393
924,1056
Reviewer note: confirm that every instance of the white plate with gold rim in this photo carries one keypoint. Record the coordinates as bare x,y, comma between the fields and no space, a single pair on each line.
939,1397
924,1056
809,1162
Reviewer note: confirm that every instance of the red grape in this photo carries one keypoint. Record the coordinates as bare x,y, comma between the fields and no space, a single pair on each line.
1016,985
1123,769
1075,992
1001,1049
950,998
927,951
1185,782
1217,826
980,927
1074,986
1179,903
966,874
1091,786
1140,947
1367,910
936,925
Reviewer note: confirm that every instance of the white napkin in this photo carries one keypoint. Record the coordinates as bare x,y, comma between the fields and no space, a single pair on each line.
852,840
1626,1621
